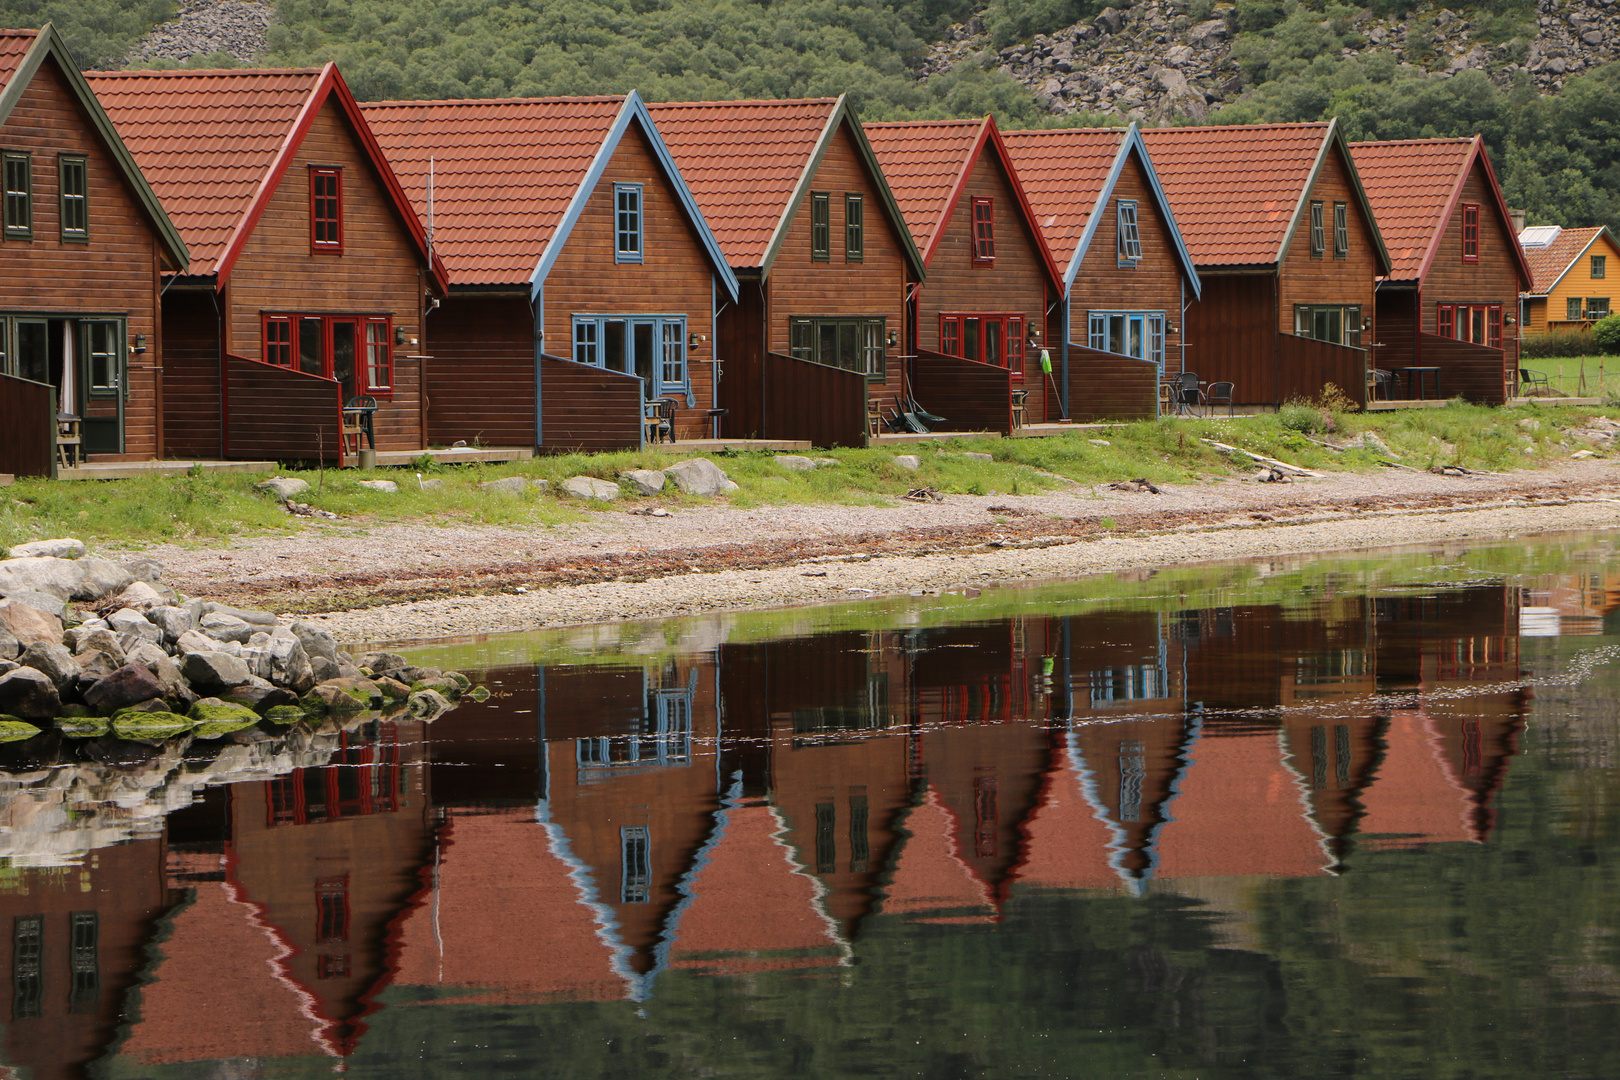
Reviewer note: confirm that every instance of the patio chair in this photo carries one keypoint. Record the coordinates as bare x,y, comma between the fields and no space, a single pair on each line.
357,422
1378,381
1220,394
1188,393
660,420
1532,380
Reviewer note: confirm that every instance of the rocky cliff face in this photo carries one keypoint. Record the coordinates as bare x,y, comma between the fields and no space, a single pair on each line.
1150,61
205,27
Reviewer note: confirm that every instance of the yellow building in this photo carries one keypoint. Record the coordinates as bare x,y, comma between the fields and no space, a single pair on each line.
1572,286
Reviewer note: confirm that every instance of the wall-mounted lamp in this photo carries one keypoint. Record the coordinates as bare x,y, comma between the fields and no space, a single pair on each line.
1510,321
1035,333
1169,328
694,340
140,343
894,339
399,335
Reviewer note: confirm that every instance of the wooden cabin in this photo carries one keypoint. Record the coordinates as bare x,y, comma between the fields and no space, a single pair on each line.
823,257
1127,274
978,326
582,275
83,245
1288,252
1569,268
1449,300
310,272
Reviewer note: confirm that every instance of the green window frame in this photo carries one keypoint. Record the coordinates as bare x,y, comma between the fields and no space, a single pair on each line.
854,228
628,232
1130,236
820,226
851,343
1318,232
17,192
1575,308
1597,307
1341,231
73,172
1600,267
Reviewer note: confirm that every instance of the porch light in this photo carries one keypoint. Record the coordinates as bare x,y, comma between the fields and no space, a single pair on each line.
694,340
894,339
1508,320
399,335
1169,328
140,343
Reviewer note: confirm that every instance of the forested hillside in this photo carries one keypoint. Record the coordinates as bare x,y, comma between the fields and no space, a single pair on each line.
1533,80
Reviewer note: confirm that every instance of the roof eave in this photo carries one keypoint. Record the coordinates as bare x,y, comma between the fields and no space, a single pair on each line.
1603,230
1476,154
1132,142
1334,137
1025,207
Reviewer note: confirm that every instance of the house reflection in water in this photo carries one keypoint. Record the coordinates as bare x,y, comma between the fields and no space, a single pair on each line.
590,830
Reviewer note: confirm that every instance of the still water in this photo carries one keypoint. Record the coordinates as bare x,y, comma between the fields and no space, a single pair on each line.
1294,819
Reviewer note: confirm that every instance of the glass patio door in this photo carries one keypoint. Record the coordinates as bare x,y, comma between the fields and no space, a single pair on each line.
630,346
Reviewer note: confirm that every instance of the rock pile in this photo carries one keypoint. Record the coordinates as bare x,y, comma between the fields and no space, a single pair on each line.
1151,61
205,27
93,648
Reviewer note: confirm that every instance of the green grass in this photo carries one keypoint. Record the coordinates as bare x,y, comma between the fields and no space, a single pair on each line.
1580,376
214,506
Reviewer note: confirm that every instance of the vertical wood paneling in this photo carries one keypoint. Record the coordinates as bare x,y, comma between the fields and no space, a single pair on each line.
587,408
825,405
281,413
1305,367
191,370
480,380
1492,279
1106,386
1232,336
740,341
1016,283
379,272
1473,372
113,274
1397,328
970,395
673,278
27,427
1327,280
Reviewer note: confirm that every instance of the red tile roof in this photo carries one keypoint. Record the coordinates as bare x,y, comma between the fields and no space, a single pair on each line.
1415,799
14,45
1234,189
743,161
924,164
212,144
930,875
1067,845
1410,184
504,172
1063,172
205,140
1548,264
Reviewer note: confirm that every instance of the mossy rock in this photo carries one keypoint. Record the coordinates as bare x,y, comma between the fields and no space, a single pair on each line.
83,727
221,728
15,730
76,709
449,688
130,724
213,711
284,714
479,693
460,679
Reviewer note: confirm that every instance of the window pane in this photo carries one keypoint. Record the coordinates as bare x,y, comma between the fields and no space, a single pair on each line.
103,358
615,346
1575,308
948,337
1136,344
1600,266
970,338
643,336
874,347
992,342
627,205
854,227
343,355
1015,345
1097,332
635,864
379,356
19,216
34,351
820,225
311,347
827,343
801,339
75,217
674,373
849,347
585,343
1116,333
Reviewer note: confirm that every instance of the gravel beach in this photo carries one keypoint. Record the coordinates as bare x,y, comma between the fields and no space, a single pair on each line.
389,583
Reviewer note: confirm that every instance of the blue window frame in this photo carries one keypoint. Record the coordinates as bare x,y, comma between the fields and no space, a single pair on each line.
1128,333
651,346
627,222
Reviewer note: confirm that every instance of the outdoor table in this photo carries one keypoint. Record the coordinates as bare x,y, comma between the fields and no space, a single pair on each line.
1418,373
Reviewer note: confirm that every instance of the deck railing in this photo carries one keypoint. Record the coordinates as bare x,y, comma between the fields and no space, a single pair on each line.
808,401
972,396
27,427
1107,386
583,407
1306,366
1476,373
280,413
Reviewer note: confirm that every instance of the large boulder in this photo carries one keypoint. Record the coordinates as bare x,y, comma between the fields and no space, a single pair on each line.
145,570
193,641
699,476
144,596
283,487
74,634
261,699
54,660
213,671
223,627
129,622
288,663
100,577
9,645
795,462
383,663
247,615
316,641
29,695
27,623
129,685
64,548
49,603
387,487
173,621
427,705
589,487
104,641
511,485
138,725
41,573
644,481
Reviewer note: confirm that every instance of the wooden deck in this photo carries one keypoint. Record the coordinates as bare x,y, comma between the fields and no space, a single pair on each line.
128,470
455,455
709,446
895,439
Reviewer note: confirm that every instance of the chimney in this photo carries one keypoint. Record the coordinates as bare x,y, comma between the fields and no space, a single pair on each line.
1518,220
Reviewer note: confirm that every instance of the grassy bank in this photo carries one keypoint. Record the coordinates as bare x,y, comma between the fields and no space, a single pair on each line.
208,507
1579,376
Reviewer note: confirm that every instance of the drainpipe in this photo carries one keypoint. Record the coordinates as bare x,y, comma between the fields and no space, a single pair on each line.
539,303
1063,396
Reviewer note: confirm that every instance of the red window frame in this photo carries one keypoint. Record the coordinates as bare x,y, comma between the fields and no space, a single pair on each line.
984,232
1446,321
278,347
1014,327
1015,345
325,210
1470,232
1454,320
379,357
950,330
281,346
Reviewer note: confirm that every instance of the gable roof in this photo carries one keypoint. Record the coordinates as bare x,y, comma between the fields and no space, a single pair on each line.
1549,263
1240,190
1414,186
512,176
928,165
751,163
1070,175
216,144
21,54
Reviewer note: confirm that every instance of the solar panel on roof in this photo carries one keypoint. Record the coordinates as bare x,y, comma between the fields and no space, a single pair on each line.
1539,235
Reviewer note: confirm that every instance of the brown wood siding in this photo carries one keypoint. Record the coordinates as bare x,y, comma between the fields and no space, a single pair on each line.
281,413
872,288
825,405
739,342
27,427
115,274
1106,386
379,272
1016,284
480,380
1306,367
1154,284
1492,279
1397,329
191,399
1327,280
1232,336
675,276
1475,373
970,395
587,408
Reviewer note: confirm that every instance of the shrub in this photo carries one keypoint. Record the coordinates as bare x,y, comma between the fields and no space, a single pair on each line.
1562,342
1606,334
1302,417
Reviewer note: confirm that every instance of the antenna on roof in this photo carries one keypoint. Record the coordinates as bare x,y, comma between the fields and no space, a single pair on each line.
430,206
